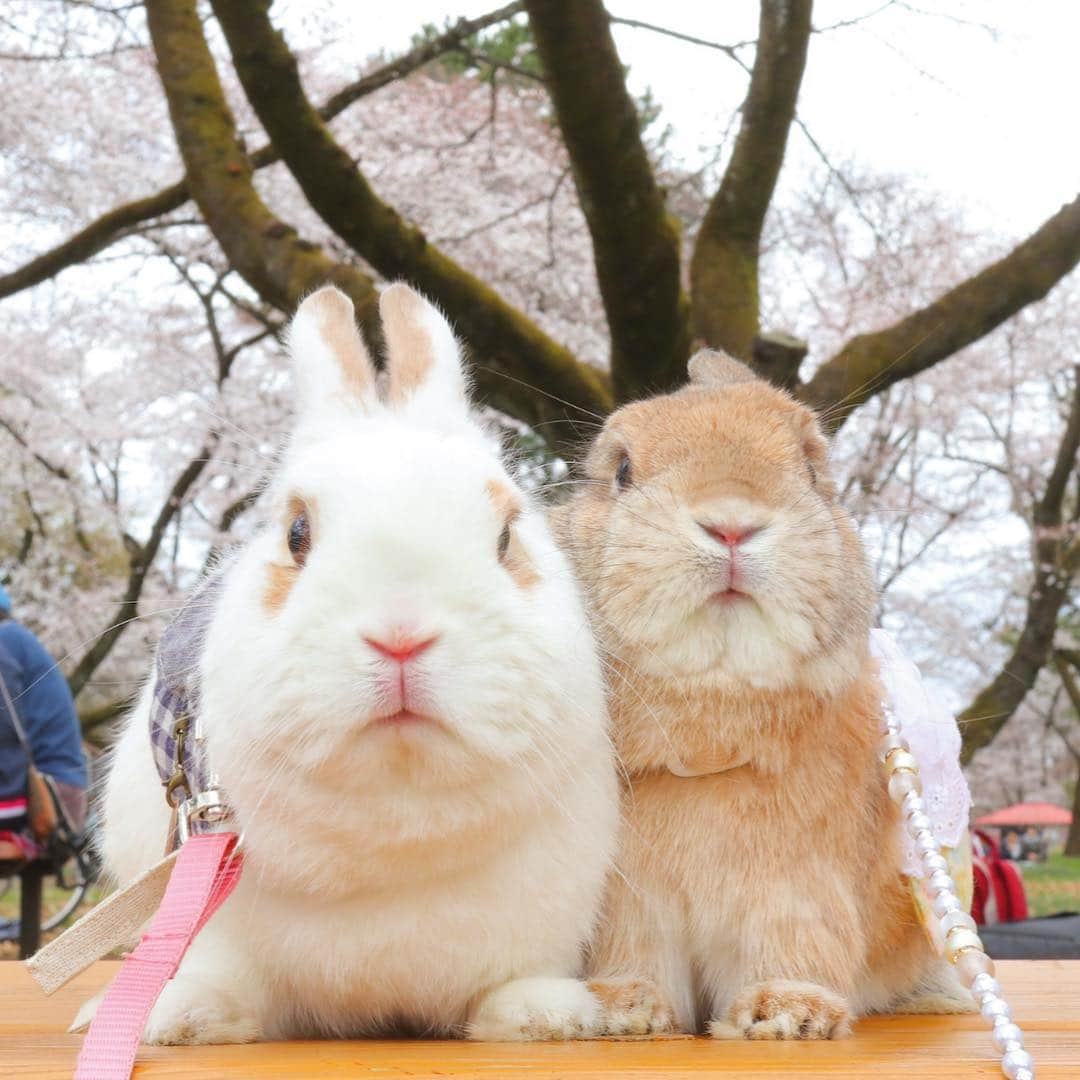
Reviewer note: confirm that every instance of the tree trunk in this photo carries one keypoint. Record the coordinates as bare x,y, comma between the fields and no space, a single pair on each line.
1072,843
724,287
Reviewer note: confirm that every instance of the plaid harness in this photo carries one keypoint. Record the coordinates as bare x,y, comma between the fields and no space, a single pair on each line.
174,735
203,861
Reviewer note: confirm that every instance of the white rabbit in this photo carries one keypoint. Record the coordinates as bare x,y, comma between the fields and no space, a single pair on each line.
403,702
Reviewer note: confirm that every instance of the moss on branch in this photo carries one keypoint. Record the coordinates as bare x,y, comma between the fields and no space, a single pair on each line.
266,251
635,240
724,266
539,380
111,226
870,363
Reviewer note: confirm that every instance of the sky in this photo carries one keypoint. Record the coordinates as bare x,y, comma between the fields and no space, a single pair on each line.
977,98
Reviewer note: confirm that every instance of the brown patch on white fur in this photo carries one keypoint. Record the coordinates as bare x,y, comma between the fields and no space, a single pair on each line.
332,312
787,868
516,558
409,347
632,1007
507,503
279,582
282,576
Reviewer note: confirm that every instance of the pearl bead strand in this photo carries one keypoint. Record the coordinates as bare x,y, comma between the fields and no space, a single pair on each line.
963,946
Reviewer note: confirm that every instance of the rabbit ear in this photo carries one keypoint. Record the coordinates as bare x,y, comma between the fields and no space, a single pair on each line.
331,366
816,449
708,367
422,356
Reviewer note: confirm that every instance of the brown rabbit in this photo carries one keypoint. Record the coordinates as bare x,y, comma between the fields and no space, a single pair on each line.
760,884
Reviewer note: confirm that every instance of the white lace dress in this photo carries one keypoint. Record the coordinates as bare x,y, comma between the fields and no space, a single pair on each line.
934,737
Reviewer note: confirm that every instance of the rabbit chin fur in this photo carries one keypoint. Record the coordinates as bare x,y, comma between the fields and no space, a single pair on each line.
431,876
765,892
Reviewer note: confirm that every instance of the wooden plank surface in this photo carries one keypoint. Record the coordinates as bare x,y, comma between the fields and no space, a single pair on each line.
1045,996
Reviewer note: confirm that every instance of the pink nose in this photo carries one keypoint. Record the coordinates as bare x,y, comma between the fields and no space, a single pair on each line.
730,535
401,647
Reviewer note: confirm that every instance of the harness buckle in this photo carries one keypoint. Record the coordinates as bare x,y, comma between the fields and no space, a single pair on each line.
179,777
204,813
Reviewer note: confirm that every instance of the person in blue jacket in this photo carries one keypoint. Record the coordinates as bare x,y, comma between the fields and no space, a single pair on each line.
39,693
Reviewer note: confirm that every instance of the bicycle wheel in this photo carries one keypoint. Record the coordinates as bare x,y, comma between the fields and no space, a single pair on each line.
63,894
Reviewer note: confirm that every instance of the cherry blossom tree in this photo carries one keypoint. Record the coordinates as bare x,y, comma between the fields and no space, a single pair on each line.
502,165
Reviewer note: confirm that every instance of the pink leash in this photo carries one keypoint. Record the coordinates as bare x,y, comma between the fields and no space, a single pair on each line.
206,872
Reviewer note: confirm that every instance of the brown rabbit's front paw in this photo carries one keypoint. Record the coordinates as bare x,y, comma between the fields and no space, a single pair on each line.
783,1009
632,1007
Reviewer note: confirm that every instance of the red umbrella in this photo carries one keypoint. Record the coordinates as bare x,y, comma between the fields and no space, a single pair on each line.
1027,813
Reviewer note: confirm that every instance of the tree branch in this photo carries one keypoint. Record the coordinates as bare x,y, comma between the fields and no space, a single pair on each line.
869,363
91,719
229,516
265,251
777,357
724,266
1055,558
510,344
110,227
97,236
635,240
691,39
142,558
57,470
416,58
1065,661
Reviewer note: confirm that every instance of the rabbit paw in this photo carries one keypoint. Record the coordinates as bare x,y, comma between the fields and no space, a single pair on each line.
535,1009
632,1007
192,1011
87,1011
783,1009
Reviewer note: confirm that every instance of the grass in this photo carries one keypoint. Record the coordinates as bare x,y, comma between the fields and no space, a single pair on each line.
52,899
1053,886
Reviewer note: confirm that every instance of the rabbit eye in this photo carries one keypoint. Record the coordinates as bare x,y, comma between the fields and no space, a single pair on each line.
504,541
300,539
624,473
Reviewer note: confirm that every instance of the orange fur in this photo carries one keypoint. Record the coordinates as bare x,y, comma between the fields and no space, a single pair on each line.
280,577
632,1007
784,870
279,582
785,1009
518,563
410,349
506,502
516,559
333,312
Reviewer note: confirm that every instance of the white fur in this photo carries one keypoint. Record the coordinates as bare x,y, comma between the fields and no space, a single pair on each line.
393,876
537,1009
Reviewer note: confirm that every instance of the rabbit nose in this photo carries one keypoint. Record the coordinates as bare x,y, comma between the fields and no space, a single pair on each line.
730,535
402,647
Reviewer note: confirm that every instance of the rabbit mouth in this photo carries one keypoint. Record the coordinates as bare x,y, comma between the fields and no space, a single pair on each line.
404,719
729,596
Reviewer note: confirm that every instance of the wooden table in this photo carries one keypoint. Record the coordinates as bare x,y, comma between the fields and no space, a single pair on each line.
1045,997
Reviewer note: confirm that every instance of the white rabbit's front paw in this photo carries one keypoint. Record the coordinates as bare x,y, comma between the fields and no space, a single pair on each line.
87,1011
192,1010
533,1009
